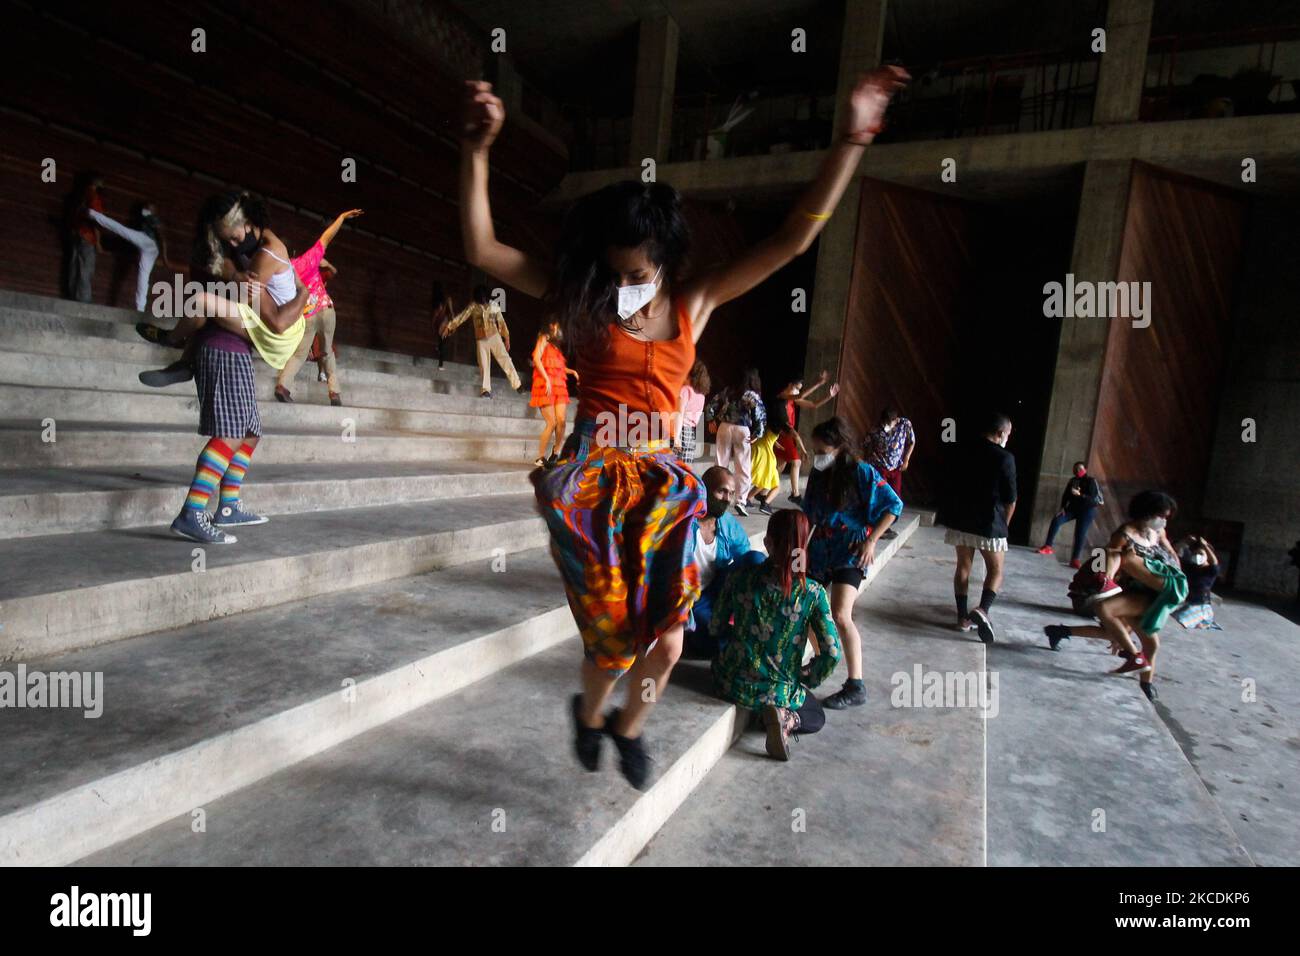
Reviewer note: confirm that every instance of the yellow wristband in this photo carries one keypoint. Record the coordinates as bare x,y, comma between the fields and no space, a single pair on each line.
818,216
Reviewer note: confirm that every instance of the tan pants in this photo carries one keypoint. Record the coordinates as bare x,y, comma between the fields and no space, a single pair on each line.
493,348
322,322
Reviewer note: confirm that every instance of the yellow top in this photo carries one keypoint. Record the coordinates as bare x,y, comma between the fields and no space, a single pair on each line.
275,347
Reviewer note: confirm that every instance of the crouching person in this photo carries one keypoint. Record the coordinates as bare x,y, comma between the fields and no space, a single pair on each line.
721,547
774,605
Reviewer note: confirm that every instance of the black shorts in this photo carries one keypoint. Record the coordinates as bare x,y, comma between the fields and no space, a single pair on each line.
853,577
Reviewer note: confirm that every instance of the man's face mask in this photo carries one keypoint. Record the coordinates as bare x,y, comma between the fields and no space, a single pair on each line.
717,507
1157,524
633,298
824,461
1200,558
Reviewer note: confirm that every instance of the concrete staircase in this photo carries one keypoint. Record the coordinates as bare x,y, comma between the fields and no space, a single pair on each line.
380,675
332,663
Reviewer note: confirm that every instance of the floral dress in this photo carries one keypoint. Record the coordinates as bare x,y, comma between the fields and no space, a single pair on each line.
761,662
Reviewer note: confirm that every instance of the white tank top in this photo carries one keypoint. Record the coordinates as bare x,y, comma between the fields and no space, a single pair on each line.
280,286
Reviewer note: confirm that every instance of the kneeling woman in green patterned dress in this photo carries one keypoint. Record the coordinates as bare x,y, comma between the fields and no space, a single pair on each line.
772,606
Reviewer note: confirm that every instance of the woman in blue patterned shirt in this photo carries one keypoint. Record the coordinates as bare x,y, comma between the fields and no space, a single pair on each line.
852,507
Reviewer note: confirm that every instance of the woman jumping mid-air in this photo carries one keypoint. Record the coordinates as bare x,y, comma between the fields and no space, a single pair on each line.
620,507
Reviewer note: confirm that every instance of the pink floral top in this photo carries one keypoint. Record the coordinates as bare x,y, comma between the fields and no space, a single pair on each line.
307,266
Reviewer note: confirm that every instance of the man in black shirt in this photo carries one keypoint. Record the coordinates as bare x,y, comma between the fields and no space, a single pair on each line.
1079,503
977,507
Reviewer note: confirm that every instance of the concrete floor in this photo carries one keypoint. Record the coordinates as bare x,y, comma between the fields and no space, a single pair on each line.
1199,779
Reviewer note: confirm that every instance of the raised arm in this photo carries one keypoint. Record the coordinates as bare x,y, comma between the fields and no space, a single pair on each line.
804,403
483,115
455,323
332,230
864,118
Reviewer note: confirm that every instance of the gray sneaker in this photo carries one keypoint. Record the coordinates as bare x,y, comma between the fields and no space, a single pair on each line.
197,526
233,514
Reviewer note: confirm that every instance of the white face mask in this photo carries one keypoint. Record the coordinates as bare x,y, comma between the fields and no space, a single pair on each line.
822,462
1199,559
632,298
1157,524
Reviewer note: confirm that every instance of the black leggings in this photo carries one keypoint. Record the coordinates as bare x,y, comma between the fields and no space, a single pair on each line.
812,717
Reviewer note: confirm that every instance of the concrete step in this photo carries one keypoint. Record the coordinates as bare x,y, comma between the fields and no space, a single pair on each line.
194,713
68,591
48,501
486,777
178,405
95,444
894,786
57,334
376,389
23,309
496,751
1083,770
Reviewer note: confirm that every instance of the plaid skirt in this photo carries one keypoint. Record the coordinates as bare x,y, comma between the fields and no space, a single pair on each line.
686,452
622,526
227,394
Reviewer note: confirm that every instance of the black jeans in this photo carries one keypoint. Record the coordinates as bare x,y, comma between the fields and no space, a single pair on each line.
812,717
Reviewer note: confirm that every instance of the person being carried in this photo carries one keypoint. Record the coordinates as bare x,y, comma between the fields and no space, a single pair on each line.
774,606
1153,585
241,247
1079,503
492,337
721,547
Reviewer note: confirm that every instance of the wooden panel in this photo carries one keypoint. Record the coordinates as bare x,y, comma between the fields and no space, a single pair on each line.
945,320
1160,387
914,260
274,105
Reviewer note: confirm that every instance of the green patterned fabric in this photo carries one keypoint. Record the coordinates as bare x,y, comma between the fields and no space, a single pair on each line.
761,662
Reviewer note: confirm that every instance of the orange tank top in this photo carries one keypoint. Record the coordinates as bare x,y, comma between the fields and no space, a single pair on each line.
638,375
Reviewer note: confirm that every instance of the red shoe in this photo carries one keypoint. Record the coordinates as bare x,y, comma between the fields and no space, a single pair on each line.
1076,564
1045,549
1108,589
1133,665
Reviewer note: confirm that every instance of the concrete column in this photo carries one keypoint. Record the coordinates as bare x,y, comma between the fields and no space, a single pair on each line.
860,46
1121,70
656,81
1081,353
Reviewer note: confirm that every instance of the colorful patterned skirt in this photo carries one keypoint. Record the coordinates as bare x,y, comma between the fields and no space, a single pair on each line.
622,525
